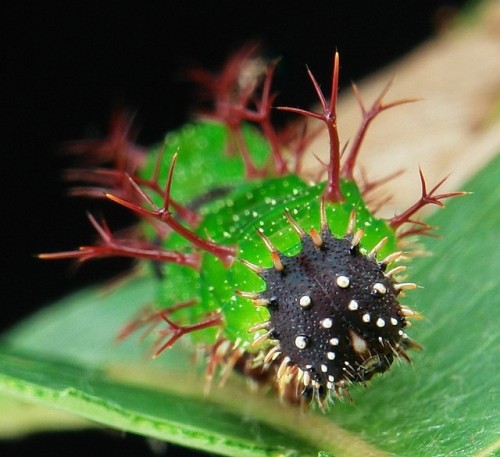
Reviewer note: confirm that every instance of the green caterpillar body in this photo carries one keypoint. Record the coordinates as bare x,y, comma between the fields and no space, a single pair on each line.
233,219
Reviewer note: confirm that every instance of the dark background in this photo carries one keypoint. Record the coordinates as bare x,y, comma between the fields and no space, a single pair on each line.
65,65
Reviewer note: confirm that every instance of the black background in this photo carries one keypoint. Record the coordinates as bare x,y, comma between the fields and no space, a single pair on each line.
65,65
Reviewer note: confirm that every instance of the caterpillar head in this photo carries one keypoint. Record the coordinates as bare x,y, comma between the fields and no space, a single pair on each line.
334,312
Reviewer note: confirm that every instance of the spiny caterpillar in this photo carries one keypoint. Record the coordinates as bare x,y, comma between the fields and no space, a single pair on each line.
292,282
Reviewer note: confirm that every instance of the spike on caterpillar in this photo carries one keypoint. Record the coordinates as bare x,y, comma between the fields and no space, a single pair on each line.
291,282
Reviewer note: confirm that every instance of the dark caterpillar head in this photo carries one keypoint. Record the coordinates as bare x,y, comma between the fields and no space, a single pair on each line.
334,312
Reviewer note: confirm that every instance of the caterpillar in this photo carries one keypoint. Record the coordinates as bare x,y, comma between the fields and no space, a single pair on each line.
287,278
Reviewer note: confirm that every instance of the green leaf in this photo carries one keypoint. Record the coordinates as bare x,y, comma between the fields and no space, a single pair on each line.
445,404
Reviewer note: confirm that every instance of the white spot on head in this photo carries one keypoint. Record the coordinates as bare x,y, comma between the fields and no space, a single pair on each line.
305,301
400,332
326,323
380,322
343,282
334,341
379,288
353,305
301,341
331,378
330,355
358,344
394,321
366,318
324,368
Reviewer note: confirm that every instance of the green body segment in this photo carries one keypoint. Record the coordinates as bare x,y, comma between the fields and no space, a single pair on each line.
203,166
205,161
